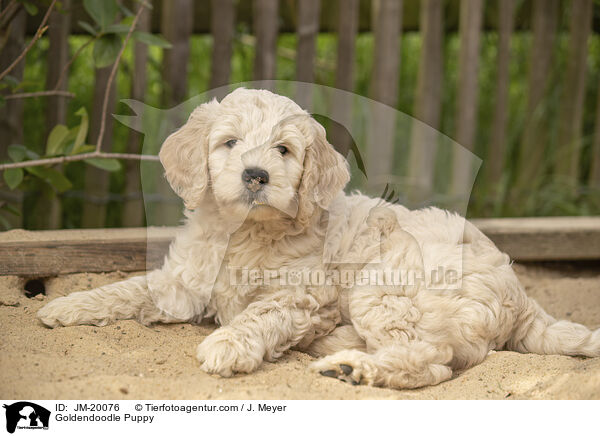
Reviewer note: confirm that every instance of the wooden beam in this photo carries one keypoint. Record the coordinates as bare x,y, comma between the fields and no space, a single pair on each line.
547,238
54,252
287,17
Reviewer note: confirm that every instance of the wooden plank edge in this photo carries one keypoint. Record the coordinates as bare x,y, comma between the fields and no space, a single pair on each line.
50,253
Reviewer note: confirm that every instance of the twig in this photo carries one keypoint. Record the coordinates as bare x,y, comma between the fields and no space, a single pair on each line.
10,15
40,94
112,77
78,157
8,6
40,31
68,64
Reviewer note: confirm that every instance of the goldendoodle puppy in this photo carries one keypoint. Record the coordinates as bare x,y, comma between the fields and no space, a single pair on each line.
271,239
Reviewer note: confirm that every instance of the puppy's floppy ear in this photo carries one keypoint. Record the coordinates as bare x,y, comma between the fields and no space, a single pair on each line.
325,174
184,155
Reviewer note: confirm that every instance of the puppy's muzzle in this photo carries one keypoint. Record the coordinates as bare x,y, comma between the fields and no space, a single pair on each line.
255,178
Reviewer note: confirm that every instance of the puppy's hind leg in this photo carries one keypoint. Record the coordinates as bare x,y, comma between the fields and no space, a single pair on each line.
343,337
400,366
537,332
385,317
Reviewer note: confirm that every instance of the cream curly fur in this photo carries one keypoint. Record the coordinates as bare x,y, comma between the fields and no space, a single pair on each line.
399,336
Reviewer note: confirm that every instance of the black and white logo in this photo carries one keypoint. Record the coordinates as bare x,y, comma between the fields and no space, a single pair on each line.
26,415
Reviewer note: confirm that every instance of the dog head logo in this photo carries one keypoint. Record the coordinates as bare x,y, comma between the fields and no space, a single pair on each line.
26,415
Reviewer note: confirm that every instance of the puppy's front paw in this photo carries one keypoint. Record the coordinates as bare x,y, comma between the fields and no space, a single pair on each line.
224,352
73,309
56,313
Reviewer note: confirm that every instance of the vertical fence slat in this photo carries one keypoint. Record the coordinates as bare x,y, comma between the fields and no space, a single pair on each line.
344,75
222,28
497,150
571,106
535,136
595,168
386,64
347,30
428,103
384,87
266,28
49,210
11,112
177,28
97,180
133,206
58,56
308,29
471,13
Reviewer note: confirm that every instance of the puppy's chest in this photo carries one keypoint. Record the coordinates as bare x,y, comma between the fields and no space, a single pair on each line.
251,273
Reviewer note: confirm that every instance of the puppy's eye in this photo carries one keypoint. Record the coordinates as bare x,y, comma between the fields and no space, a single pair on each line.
231,143
282,149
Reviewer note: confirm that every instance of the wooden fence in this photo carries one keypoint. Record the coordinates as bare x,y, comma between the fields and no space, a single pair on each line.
177,20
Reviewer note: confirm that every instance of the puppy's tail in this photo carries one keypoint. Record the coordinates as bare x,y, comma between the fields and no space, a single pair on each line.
537,332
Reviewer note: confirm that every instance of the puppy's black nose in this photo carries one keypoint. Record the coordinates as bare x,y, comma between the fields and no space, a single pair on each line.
254,178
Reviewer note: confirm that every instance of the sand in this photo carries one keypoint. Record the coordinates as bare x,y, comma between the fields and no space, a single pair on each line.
129,361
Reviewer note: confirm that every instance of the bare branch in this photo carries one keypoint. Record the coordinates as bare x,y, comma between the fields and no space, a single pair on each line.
6,9
40,94
8,13
68,64
40,31
78,157
112,77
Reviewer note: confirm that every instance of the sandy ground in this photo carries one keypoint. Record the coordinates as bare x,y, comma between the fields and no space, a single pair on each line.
129,361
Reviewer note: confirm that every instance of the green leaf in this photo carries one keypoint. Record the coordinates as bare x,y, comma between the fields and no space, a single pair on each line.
150,39
32,155
13,177
125,10
87,27
54,178
56,140
4,222
7,207
106,50
103,12
83,128
12,81
17,152
83,149
30,8
117,28
105,164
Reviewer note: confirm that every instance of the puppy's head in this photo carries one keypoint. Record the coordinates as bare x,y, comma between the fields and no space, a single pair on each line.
257,154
